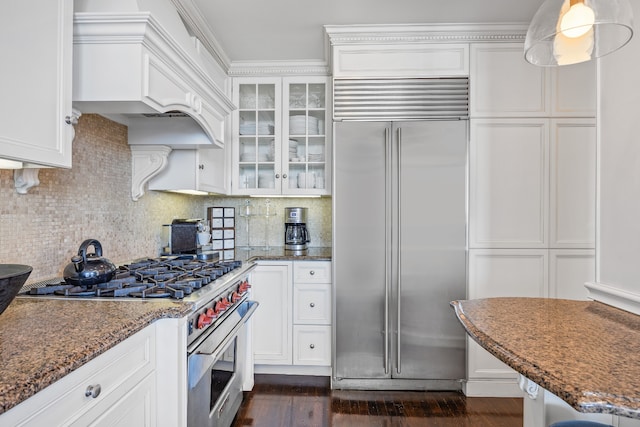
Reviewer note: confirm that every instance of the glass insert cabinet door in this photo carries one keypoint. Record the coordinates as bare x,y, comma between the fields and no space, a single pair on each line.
305,148
258,136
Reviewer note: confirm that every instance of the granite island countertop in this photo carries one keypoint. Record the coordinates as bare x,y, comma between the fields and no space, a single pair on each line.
42,340
585,352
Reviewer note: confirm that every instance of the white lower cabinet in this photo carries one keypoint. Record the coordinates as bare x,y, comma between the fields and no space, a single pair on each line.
125,377
555,273
292,326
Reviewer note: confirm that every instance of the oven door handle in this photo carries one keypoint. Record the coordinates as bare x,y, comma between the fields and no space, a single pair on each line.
201,363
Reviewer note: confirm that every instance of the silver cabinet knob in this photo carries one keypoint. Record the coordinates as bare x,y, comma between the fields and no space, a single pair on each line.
71,120
277,175
93,391
201,167
284,176
312,346
312,272
313,304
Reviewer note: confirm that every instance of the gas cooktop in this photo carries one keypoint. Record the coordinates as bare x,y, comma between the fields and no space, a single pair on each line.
174,277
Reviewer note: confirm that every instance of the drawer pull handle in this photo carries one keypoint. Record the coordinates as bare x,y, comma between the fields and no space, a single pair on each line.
93,391
312,272
312,346
313,304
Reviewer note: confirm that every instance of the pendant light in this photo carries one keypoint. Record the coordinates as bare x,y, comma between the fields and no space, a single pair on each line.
565,32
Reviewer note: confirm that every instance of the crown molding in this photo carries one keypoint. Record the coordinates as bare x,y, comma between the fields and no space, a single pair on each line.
424,33
193,18
278,68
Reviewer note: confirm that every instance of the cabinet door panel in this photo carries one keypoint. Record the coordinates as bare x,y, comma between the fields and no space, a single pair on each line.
503,84
569,270
574,90
312,345
502,273
573,183
36,81
312,304
272,320
508,183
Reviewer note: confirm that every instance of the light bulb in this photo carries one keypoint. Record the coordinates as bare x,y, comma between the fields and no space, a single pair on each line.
578,20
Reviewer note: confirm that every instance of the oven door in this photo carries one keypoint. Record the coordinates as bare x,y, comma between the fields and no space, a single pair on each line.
216,371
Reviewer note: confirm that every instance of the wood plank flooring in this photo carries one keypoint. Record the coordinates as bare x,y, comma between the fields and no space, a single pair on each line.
297,401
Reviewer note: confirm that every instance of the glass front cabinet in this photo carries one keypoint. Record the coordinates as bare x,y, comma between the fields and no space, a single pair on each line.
281,143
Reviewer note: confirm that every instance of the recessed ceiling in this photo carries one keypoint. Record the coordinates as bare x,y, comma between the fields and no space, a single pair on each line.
292,30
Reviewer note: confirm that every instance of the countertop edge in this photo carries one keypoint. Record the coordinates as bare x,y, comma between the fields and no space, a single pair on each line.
584,402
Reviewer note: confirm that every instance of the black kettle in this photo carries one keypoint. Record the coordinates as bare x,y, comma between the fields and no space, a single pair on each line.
89,269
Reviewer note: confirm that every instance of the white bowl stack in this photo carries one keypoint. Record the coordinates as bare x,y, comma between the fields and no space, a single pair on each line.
293,149
315,153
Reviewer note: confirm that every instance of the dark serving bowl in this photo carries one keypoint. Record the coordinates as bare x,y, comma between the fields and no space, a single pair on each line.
12,277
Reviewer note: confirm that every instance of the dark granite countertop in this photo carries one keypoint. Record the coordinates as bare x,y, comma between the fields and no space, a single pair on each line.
42,340
585,352
278,253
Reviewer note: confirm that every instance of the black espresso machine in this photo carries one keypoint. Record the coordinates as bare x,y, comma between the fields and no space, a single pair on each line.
296,236
182,238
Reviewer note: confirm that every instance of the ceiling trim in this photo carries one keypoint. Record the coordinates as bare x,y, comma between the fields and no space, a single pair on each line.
424,33
278,68
193,19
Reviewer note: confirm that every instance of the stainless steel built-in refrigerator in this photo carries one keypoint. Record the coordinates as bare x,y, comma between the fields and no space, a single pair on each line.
399,206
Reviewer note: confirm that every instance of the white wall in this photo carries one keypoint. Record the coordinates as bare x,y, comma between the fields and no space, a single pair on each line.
618,246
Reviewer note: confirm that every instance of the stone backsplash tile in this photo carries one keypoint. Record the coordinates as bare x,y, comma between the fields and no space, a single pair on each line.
45,227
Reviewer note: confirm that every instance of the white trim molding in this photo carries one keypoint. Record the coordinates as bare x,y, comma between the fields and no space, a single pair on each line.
616,297
146,162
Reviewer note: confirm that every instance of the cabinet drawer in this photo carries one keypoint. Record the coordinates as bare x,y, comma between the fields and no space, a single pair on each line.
312,345
312,272
312,303
117,371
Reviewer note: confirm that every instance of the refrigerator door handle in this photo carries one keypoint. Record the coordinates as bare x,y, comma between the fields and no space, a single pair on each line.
399,257
387,238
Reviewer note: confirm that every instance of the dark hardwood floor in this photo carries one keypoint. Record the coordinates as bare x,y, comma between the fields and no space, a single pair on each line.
298,401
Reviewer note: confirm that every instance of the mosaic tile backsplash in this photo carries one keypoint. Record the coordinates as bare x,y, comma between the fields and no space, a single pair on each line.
45,227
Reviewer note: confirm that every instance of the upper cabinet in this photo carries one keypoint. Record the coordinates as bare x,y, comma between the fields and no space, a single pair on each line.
35,113
280,139
503,84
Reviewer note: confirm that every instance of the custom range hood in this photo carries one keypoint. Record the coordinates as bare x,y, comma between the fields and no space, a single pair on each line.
135,62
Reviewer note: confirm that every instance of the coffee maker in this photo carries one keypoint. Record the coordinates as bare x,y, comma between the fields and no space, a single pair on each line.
296,235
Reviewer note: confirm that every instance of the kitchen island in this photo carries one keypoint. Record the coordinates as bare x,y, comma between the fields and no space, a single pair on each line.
586,353
43,340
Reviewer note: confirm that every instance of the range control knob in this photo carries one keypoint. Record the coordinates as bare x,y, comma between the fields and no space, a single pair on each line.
203,321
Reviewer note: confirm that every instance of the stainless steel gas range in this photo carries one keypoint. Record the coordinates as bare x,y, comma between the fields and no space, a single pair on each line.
216,333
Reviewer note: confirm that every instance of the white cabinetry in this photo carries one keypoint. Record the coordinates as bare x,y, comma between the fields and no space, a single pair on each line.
532,188
36,82
202,169
292,327
271,287
280,142
118,388
503,84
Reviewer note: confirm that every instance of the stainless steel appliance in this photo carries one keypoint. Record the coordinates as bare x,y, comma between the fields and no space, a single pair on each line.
296,236
216,349
399,254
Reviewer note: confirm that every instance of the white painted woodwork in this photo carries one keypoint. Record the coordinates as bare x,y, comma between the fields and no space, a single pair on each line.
503,84
146,162
573,183
312,272
36,82
573,90
272,325
414,60
312,345
125,371
502,273
508,183
277,176
135,58
201,169
312,303
618,245
569,270
292,335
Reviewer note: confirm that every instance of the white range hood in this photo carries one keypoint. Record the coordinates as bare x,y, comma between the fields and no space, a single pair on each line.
135,62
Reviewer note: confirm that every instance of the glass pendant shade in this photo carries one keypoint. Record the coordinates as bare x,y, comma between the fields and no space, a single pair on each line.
565,32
